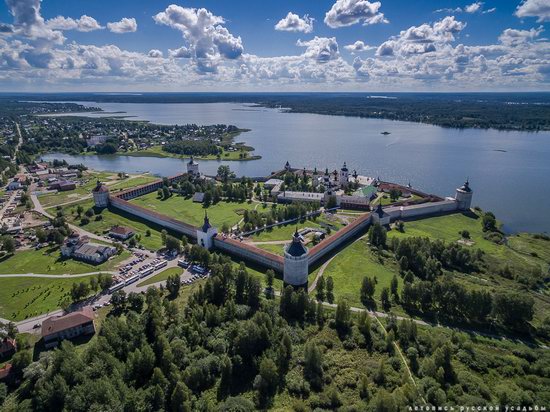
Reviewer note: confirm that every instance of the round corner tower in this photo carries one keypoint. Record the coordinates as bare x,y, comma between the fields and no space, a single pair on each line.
463,196
100,194
296,267
193,167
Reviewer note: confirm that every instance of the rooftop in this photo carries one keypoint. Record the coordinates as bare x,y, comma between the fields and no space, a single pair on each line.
57,324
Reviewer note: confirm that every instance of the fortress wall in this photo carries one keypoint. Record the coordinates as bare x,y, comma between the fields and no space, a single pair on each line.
342,236
248,252
154,217
424,209
146,188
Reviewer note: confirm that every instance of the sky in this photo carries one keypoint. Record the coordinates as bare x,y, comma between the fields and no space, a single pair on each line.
274,45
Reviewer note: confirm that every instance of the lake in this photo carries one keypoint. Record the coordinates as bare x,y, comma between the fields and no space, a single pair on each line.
508,171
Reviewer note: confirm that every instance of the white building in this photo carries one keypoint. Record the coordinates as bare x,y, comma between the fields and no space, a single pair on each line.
193,167
206,233
101,195
344,176
464,196
296,266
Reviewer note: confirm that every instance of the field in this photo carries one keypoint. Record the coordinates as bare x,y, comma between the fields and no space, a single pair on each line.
48,261
193,213
351,265
162,276
285,232
89,181
111,218
25,297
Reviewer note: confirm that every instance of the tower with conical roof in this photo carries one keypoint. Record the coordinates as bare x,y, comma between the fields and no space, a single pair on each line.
100,194
296,265
193,167
463,196
206,233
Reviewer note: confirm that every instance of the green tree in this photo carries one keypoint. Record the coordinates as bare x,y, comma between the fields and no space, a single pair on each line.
118,299
377,235
173,284
313,365
180,401
136,301
385,299
266,381
368,286
173,244
342,317
320,289
330,290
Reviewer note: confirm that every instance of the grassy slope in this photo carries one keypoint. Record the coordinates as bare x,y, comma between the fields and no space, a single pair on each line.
285,232
49,261
26,297
193,213
351,265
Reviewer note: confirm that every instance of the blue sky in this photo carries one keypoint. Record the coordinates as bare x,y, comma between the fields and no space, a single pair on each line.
257,45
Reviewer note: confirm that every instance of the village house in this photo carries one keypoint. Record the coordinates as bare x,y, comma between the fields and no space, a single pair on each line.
121,232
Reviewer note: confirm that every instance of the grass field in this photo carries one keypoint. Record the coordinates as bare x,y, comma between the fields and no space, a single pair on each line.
351,265
48,261
276,249
111,218
89,181
25,297
285,232
159,277
187,211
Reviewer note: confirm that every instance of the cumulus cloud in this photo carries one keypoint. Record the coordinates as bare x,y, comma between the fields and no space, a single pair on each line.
125,25
320,49
208,41
181,53
84,23
534,8
349,12
293,22
155,53
28,22
358,46
513,37
421,39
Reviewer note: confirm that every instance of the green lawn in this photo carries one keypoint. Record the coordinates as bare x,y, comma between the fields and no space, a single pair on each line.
25,297
49,261
111,218
285,232
351,265
187,211
159,277
276,249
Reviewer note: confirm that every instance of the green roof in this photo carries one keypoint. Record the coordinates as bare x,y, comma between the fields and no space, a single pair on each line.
366,191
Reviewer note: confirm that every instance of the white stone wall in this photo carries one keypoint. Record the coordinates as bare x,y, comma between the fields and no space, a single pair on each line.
296,270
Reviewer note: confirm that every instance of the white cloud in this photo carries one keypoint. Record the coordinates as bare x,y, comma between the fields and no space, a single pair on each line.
534,8
125,25
421,39
293,22
320,49
208,41
358,46
155,54
474,7
349,12
28,22
181,53
513,37
84,23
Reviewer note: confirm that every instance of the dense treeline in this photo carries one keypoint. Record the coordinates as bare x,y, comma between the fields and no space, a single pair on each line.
192,148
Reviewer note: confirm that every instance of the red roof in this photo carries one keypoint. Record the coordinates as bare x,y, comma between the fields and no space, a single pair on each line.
121,230
57,324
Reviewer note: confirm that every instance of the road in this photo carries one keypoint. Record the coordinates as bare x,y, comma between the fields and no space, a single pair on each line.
28,325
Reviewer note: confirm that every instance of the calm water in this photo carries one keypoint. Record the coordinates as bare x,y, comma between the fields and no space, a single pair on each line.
509,171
